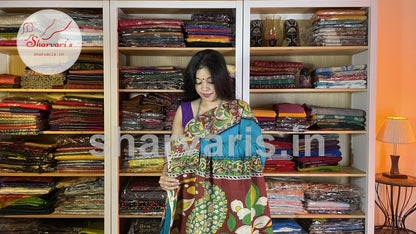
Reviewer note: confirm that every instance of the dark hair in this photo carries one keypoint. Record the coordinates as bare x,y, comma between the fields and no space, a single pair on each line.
215,63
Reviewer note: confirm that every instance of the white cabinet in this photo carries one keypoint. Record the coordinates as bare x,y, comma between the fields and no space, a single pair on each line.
157,56
358,146
12,64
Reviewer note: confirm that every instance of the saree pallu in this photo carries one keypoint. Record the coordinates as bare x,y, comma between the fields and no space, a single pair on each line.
222,189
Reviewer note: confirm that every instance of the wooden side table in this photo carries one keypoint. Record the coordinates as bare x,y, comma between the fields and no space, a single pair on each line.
397,205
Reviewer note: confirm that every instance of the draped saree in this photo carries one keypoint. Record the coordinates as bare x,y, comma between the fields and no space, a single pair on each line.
219,165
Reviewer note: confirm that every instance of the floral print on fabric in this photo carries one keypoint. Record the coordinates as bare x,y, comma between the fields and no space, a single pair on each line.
224,194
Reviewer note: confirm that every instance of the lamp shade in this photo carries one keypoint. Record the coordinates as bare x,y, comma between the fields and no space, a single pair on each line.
396,130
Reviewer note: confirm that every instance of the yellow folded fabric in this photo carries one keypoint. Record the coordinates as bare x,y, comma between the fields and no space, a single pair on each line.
146,162
74,180
65,107
295,115
344,17
264,113
79,157
5,201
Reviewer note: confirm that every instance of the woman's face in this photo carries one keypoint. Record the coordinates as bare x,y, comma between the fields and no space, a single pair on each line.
204,85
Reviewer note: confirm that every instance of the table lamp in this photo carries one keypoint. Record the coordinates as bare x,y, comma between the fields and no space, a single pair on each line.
395,130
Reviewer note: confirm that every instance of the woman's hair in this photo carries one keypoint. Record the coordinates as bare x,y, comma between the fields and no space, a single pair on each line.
215,63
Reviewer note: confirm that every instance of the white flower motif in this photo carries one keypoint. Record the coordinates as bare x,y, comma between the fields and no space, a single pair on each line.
242,213
262,201
253,213
243,230
237,206
261,222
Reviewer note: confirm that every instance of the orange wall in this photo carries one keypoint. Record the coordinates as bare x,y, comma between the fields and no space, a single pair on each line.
396,80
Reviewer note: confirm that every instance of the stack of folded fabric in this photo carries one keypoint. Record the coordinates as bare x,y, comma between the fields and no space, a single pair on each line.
86,73
287,226
145,226
273,75
90,24
74,154
81,196
161,77
334,225
93,227
142,196
26,156
9,81
9,27
64,226
332,199
339,27
266,118
27,195
33,80
142,113
286,197
19,225
319,156
144,158
353,76
150,119
337,119
77,113
171,103
150,33
209,30
23,115
291,117
281,158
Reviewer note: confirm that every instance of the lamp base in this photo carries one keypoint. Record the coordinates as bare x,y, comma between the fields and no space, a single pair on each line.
394,176
394,170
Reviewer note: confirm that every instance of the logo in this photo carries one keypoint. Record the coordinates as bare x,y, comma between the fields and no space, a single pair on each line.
49,42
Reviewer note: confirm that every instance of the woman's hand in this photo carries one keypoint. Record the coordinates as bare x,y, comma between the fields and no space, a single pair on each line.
168,183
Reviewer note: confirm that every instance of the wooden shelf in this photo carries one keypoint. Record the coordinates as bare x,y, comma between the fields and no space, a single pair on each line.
52,90
147,132
140,174
254,91
166,51
348,216
316,132
12,50
51,174
150,91
308,50
134,216
70,132
55,216
322,216
345,172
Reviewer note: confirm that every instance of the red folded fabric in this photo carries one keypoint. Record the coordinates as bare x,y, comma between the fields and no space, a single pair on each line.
74,103
31,106
280,144
283,109
275,64
9,79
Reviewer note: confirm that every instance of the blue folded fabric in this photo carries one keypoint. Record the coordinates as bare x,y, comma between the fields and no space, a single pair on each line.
285,225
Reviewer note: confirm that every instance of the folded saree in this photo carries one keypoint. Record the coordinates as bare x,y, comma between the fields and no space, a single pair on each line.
221,187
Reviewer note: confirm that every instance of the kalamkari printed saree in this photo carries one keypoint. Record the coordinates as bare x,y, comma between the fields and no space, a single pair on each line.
219,165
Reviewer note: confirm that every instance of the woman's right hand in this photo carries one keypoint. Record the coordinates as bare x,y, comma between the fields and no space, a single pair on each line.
168,183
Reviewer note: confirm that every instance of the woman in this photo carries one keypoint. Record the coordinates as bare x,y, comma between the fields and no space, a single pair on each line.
213,175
